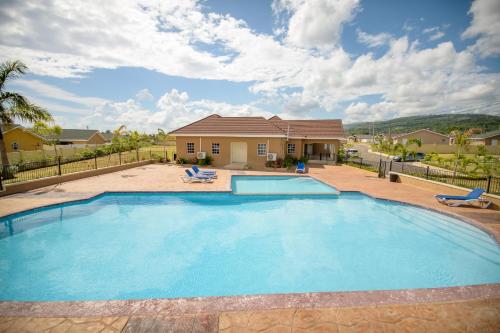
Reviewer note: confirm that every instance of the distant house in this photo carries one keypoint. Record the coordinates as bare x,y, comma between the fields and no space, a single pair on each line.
425,135
364,138
251,141
81,137
488,139
108,136
17,138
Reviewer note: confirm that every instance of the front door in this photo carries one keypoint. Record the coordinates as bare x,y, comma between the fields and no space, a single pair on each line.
238,152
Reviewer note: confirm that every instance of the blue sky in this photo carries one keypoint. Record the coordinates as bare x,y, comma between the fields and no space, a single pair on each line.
162,64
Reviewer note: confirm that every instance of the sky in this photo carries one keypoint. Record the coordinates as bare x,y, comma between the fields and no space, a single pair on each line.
153,64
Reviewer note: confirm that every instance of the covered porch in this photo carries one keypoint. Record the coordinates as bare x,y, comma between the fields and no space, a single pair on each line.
318,151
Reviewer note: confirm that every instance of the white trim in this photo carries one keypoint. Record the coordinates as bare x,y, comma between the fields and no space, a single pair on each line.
423,129
234,135
263,136
92,137
25,130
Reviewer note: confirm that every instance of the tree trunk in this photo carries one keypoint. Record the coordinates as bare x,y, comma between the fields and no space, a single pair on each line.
3,150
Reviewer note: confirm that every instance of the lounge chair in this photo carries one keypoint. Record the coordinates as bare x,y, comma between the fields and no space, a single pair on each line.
208,173
190,178
472,199
301,168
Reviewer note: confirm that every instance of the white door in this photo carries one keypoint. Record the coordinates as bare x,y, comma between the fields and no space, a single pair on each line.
238,152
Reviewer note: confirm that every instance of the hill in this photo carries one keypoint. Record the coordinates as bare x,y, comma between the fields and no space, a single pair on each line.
443,123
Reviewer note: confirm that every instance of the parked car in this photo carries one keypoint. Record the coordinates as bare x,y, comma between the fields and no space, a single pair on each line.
419,156
351,152
409,158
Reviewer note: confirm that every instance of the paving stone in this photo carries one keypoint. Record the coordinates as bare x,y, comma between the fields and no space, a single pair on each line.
188,323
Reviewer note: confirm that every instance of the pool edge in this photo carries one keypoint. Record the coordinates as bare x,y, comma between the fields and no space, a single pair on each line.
179,306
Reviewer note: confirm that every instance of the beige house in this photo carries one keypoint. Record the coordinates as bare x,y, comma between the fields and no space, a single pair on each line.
425,135
487,139
19,138
241,142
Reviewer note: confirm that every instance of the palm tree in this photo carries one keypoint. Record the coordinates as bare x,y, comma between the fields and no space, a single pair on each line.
406,148
461,141
14,106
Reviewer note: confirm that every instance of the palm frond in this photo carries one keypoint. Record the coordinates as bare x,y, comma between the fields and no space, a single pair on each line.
16,106
11,70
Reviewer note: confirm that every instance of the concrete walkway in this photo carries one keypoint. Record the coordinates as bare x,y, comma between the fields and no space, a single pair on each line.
475,315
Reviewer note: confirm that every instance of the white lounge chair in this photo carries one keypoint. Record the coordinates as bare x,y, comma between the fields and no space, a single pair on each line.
191,178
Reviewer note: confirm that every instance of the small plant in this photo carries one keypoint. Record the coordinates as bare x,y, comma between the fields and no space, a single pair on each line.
181,160
269,164
279,163
304,159
206,161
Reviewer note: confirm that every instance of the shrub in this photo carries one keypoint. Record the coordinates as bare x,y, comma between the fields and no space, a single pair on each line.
304,159
181,160
87,154
206,161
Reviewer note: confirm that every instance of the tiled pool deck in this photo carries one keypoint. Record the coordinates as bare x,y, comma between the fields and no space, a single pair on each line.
462,309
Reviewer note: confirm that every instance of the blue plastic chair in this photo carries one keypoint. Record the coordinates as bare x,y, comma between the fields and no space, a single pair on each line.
470,199
301,167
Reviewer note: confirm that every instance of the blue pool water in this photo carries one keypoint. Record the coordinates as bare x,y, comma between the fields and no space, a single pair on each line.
279,185
136,246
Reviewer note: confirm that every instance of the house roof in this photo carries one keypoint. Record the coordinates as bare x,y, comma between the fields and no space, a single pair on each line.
486,135
10,127
68,135
216,125
311,128
420,130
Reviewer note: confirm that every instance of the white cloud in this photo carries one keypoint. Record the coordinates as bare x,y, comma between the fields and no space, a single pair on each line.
373,40
305,69
144,95
486,26
316,23
437,35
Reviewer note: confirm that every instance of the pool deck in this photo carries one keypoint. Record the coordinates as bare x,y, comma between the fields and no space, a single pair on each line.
460,309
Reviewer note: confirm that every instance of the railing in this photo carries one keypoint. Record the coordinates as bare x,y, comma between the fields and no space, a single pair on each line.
10,174
490,184
322,157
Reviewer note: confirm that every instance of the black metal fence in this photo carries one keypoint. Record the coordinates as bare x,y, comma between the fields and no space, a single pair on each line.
490,184
10,174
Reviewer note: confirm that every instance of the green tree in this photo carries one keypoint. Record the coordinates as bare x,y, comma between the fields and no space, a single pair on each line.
461,142
50,133
14,106
407,148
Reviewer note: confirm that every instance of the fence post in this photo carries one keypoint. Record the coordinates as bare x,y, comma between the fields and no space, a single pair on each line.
488,185
137,154
403,167
59,165
150,155
360,162
120,157
95,161
166,156
427,173
380,168
1,176
390,166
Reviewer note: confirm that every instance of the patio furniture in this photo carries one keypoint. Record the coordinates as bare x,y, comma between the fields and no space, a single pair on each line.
191,178
301,167
471,199
199,172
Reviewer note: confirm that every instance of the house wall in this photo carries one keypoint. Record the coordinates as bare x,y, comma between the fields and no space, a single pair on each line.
490,141
274,145
426,137
24,140
96,140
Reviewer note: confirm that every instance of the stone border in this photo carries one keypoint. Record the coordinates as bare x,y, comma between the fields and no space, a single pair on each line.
47,181
179,306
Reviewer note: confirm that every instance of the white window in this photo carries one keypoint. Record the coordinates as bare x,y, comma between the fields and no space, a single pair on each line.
261,149
290,148
215,148
190,148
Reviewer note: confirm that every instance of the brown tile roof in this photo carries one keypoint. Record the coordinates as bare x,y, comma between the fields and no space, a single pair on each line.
239,126
311,128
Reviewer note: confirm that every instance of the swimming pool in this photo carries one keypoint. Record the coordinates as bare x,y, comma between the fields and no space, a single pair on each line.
251,185
165,245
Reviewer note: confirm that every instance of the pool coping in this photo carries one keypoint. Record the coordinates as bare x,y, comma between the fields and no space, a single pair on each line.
178,306
215,304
